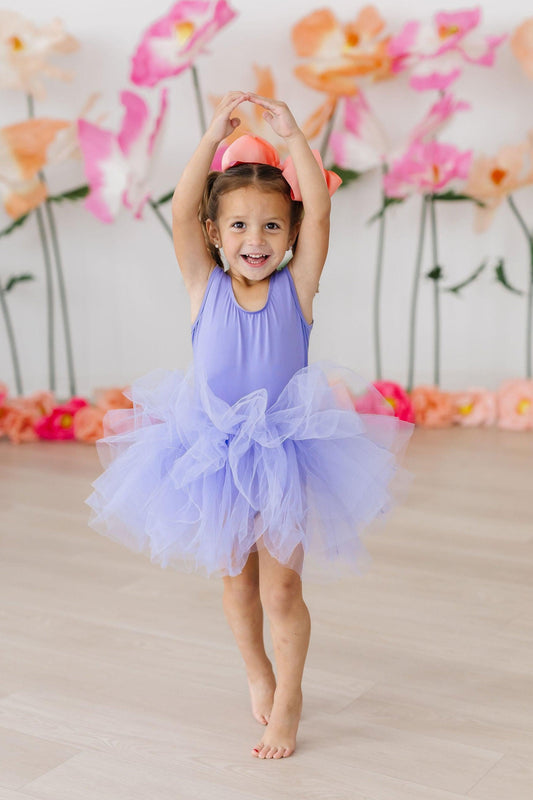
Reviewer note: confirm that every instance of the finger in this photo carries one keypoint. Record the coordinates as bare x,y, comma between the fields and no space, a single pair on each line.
263,101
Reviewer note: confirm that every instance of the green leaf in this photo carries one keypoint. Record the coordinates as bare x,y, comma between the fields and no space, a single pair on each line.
388,201
164,198
450,195
26,276
501,277
73,194
347,175
16,224
435,274
471,278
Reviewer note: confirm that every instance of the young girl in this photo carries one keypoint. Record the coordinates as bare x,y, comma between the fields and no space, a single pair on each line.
252,463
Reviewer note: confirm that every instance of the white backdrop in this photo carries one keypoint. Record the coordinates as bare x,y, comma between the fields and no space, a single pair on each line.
128,305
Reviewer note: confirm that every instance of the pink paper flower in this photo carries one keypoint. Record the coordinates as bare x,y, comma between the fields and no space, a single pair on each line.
426,167
172,43
395,396
117,165
364,144
474,407
24,53
433,408
59,424
515,405
438,51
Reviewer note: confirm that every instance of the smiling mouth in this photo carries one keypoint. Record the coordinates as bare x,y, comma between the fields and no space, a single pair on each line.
255,260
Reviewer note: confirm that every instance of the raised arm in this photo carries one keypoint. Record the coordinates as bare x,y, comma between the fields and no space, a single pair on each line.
189,244
313,239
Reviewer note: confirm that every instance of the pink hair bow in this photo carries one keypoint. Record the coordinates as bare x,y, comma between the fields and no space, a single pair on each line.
254,150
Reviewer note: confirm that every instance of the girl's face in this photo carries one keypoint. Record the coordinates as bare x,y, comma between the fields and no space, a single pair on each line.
253,227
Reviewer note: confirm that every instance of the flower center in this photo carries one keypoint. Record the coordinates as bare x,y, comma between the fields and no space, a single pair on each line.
392,401
435,173
466,409
66,421
523,406
16,43
497,175
445,31
352,40
183,31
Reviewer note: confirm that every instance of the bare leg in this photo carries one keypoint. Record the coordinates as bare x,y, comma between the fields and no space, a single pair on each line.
244,612
290,624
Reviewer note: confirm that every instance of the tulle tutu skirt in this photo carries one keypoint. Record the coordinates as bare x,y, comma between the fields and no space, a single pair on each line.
198,484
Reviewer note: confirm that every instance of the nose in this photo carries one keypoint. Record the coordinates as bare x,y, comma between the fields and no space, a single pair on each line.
256,235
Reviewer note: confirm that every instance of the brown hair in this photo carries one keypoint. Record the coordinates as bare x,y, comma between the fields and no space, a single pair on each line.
264,176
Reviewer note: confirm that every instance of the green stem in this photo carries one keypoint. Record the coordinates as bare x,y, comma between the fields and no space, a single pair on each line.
529,310
436,292
160,217
414,294
327,134
11,340
199,102
377,288
48,278
62,295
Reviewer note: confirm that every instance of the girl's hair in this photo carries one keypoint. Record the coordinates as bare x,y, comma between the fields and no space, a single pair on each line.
264,176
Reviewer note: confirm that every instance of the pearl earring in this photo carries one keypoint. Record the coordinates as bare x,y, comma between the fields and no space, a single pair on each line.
223,258
286,258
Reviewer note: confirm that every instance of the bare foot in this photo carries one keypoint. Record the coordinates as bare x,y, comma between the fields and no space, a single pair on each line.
279,740
262,688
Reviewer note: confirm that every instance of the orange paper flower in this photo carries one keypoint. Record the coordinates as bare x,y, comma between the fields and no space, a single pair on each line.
336,55
522,46
474,407
433,408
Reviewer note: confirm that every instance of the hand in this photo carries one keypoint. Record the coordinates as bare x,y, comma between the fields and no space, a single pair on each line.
277,114
223,123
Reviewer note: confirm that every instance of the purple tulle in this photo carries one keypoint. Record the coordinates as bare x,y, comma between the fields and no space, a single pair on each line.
197,484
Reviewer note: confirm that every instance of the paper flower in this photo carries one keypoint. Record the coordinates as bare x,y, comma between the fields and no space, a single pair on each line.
433,408
493,178
364,145
59,423
522,46
337,55
474,407
515,405
24,53
171,44
397,399
117,165
426,167
19,415
438,51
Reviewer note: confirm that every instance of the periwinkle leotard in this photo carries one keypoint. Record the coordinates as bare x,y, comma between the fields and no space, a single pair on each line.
241,351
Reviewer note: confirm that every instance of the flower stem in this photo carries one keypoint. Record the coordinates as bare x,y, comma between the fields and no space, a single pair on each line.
160,217
414,293
199,102
529,311
436,291
11,340
377,287
327,134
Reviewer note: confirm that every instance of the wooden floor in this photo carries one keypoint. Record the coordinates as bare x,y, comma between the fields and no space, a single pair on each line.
120,680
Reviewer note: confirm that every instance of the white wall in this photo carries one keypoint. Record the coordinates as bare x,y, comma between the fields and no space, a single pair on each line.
129,309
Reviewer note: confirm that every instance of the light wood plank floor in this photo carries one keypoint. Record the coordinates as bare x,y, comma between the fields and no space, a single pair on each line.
120,680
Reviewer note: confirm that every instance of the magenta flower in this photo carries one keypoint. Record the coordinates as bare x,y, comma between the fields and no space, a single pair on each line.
437,52
426,167
117,165
172,43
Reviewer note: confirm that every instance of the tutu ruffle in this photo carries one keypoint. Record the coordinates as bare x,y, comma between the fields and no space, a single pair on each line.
197,484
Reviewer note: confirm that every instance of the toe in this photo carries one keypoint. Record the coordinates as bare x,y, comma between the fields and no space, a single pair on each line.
279,753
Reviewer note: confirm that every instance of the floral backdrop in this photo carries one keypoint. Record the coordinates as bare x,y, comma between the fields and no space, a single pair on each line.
412,162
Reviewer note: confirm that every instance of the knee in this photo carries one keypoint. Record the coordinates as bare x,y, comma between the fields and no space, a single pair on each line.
280,599
242,590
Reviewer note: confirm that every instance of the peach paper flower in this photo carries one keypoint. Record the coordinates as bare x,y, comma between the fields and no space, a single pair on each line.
88,424
433,408
338,55
19,415
493,178
515,405
25,49
172,43
474,407
522,46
